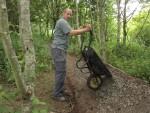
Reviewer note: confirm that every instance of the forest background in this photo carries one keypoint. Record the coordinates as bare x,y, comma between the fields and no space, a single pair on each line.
121,31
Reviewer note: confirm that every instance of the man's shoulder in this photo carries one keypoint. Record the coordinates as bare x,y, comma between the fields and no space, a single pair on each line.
61,20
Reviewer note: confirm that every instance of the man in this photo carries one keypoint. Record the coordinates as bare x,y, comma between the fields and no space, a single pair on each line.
59,47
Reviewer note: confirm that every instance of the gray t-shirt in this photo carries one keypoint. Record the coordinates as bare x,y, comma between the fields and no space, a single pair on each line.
61,32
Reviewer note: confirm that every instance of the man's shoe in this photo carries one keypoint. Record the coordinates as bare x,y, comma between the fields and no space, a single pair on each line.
67,93
59,98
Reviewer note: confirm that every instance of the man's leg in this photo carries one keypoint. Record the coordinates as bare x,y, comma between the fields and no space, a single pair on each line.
59,57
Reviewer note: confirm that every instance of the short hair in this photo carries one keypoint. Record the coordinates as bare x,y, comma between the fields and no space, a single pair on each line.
67,9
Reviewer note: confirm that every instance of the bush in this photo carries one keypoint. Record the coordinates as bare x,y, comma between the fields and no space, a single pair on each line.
134,59
42,49
144,36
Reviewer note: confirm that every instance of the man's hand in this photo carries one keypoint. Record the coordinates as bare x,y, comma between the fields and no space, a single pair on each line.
87,27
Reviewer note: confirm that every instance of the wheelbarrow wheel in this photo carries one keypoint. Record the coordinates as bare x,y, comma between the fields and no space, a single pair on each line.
94,82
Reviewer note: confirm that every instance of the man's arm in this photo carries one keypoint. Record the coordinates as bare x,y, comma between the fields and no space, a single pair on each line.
80,31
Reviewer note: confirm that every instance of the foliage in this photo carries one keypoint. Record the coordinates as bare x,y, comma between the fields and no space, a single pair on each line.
41,43
37,106
42,49
5,66
5,70
42,18
13,14
134,59
4,109
39,111
8,97
140,27
2,59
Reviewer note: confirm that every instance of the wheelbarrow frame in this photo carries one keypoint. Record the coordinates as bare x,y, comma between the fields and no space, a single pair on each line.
95,65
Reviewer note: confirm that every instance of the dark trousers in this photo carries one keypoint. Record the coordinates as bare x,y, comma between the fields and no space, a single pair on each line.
59,58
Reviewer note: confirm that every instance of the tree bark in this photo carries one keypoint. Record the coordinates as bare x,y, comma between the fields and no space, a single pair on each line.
125,23
102,28
77,21
118,22
98,24
29,52
26,35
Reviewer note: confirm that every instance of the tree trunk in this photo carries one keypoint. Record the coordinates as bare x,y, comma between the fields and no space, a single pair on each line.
118,22
77,21
125,23
26,35
29,52
98,24
102,28
8,48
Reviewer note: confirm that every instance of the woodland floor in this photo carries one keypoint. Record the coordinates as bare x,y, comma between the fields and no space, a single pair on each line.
123,94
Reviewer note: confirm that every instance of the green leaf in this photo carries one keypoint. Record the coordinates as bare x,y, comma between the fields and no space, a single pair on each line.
36,101
4,109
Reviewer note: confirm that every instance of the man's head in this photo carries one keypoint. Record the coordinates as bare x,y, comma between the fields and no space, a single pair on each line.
67,13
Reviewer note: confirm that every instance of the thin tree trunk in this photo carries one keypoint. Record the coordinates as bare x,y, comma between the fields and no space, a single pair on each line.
26,35
118,22
98,24
9,50
102,29
125,23
77,20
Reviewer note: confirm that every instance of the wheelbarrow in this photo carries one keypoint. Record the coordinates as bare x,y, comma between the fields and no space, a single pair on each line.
97,69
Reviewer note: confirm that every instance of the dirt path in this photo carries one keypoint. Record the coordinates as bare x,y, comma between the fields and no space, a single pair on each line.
123,94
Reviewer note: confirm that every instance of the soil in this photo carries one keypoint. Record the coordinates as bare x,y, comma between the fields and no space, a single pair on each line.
122,94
